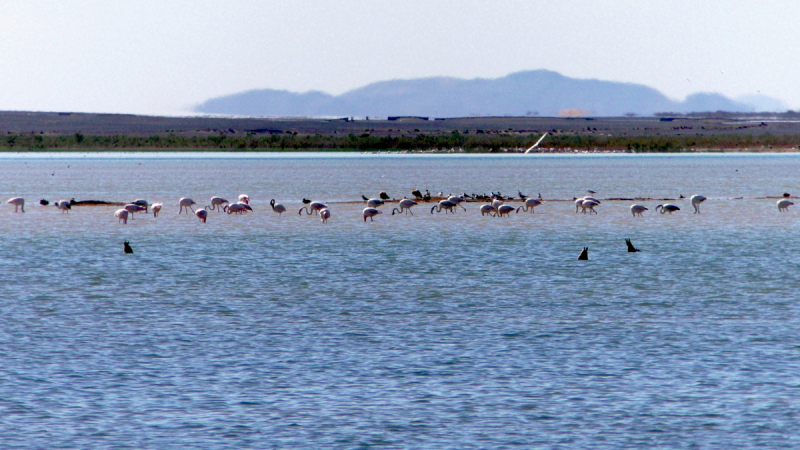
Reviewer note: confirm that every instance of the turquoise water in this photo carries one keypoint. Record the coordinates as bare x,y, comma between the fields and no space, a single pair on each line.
435,331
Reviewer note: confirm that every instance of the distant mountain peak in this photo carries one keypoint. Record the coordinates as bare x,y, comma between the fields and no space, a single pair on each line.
535,92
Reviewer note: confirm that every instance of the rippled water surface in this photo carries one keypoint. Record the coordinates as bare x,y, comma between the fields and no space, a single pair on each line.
432,330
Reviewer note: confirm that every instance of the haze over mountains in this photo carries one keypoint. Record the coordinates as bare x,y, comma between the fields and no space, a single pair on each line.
530,93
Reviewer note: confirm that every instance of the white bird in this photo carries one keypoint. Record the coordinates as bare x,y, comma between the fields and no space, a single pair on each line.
277,207
370,212
784,204
457,200
638,210
496,203
216,203
156,207
505,210
374,202
536,144
238,208
314,207
589,204
667,208
696,200
141,202
244,198
325,214
405,205
64,206
185,203
488,209
18,202
530,203
122,215
201,214
445,205
133,209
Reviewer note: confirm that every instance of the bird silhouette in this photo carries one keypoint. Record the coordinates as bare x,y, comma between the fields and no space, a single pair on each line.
522,196
584,256
383,195
307,201
631,248
417,194
786,195
44,202
127,247
364,198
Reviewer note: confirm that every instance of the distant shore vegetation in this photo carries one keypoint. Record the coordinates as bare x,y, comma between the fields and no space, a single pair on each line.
494,142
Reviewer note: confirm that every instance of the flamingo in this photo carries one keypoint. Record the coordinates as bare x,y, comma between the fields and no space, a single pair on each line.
18,202
505,210
488,209
374,202
244,198
325,214
314,207
666,207
156,207
140,202
783,205
529,204
405,205
445,205
122,215
371,212
696,200
638,210
185,203
457,200
238,208
216,204
132,209
589,204
277,207
496,203
64,206
201,214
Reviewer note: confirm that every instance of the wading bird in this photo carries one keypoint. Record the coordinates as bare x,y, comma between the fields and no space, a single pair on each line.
277,207
122,215
783,205
696,200
371,212
185,203
313,208
216,204
405,205
141,202
638,210
64,205
445,205
457,200
325,214
589,204
529,204
201,214
374,202
244,198
488,209
156,207
133,209
667,208
505,210
18,202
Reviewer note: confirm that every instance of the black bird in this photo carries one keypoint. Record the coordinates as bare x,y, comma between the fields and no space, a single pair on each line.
522,196
427,196
417,194
681,196
584,256
72,201
540,196
127,247
383,195
44,202
631,248
306,201
786,195
591,192
365,198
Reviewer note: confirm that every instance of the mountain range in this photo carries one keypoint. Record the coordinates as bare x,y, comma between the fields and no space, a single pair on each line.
529,93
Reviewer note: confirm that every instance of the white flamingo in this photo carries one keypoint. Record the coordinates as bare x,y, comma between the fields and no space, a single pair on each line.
374,202
488,209
445,205
216,204
496,203
589,204
122,215
315,207
530,203
505,210
638,210
696,200
244,198
666,207
133,209
185,203
277,207
238,208
370,212
457,200
64,205
201,214
405,205
325,214
783,205
18,202
141,202
156,207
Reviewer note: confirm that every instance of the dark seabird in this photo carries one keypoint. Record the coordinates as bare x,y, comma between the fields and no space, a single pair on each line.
584,256
365,198
44,202
383,195
127,247
306,201
631,248
417,194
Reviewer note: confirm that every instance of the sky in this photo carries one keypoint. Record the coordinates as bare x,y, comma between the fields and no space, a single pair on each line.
165,56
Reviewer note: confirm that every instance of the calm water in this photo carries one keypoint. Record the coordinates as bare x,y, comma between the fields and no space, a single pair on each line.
434,331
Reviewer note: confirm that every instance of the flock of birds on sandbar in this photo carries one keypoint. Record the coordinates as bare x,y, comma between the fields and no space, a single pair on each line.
495,205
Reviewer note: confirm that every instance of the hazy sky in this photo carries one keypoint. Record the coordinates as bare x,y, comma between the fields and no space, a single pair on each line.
165,56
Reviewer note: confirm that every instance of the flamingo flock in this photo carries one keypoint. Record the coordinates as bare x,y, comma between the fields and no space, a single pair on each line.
495,207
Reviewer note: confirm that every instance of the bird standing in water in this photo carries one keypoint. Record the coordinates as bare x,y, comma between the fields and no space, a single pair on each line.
127,247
